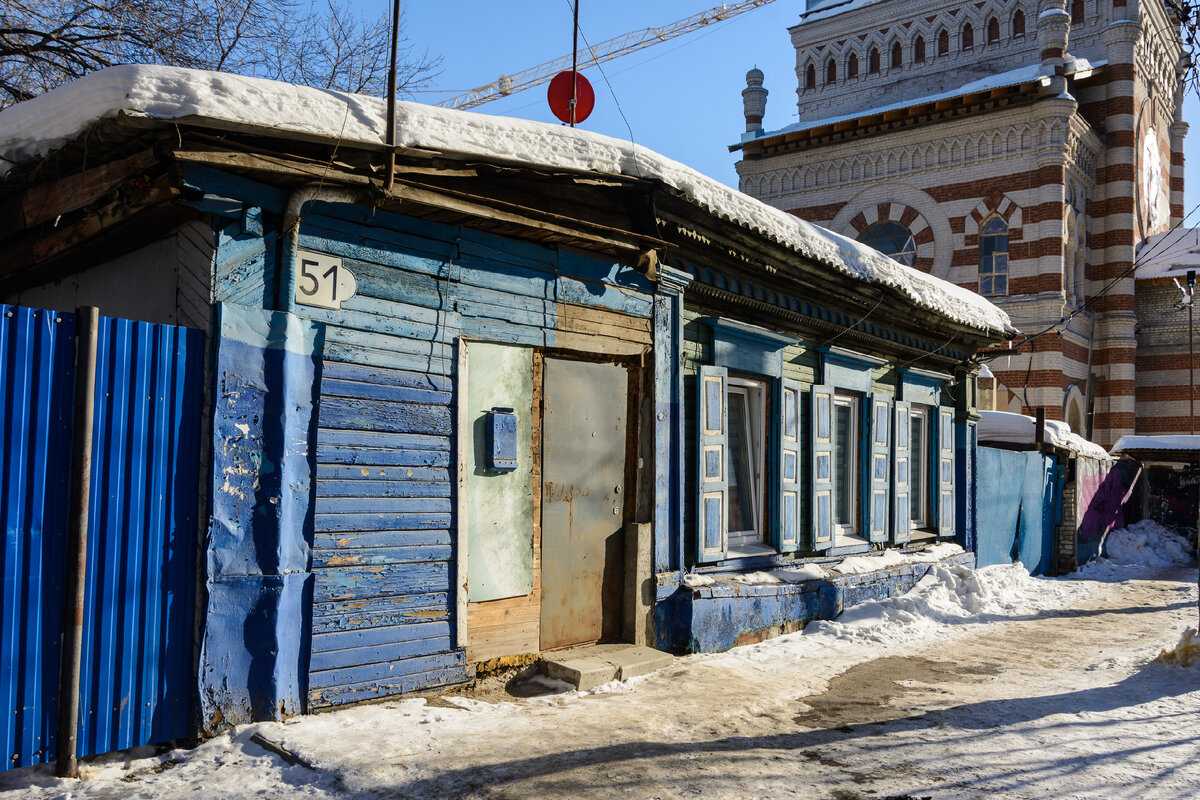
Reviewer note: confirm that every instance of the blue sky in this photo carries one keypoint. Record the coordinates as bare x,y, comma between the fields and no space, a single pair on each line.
681,98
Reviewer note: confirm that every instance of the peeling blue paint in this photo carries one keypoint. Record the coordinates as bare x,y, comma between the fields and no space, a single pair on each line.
260,534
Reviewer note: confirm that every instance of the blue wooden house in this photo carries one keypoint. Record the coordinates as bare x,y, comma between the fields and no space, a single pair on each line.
541,388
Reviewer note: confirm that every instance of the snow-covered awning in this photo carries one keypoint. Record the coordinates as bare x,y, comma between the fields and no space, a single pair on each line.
1179,448
1169,254
1003,427
231,102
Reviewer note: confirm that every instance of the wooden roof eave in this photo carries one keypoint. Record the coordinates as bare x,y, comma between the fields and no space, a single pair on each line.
769,263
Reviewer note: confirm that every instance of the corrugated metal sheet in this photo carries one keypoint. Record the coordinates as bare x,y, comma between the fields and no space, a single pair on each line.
37,373
138,681
137,673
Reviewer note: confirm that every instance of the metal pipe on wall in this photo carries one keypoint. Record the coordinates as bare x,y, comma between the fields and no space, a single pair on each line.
87,336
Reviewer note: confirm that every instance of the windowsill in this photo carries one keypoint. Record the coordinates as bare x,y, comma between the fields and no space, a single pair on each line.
922,535
849,540
750,551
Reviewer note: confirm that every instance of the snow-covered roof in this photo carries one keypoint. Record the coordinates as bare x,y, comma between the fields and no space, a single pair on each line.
1169,254
1003,427
1013,77
824,9
1173,442
232,102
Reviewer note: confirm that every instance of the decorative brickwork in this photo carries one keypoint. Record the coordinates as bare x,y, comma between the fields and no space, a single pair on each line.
1059,157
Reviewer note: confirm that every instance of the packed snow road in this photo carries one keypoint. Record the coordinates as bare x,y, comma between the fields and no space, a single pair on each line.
984,683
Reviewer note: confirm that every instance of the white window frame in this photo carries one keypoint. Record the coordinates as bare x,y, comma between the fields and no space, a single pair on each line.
847,533
750,540
918,464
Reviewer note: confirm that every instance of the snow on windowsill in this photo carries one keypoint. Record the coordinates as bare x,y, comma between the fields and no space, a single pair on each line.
853,565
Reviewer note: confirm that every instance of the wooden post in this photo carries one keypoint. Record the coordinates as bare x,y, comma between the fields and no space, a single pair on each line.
1039,433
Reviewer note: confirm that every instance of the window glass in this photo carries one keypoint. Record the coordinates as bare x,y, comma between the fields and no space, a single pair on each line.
993,256
968,37
744,467
831,72
919,49
891,239
993,30
845,464
852,66
741,482
943,42
897,56
873,61
1018,24
918,474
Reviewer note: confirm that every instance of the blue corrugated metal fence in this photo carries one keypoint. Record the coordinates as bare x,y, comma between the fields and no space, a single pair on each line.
137,683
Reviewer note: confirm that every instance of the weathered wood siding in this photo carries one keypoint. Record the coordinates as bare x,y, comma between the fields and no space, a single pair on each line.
384,603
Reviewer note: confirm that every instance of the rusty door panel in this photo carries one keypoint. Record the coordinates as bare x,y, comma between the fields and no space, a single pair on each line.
583,496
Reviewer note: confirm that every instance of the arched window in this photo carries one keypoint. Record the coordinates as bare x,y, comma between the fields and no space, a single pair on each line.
943,42
1076,11
891,239
968,37
1019,24
852,66
993,31
873,61
919,50
831,72
993,256
897,55
810,77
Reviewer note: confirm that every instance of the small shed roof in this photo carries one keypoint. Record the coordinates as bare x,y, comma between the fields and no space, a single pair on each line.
1003,427
1175,448
221,101
1169,254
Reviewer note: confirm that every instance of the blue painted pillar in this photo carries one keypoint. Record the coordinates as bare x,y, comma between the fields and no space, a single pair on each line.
254,652
966,443
668,416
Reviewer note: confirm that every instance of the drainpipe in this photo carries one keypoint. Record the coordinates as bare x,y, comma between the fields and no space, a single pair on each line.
87,337
290,239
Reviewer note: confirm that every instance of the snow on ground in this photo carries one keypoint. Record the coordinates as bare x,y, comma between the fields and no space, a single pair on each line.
36,127
976,683
1136,548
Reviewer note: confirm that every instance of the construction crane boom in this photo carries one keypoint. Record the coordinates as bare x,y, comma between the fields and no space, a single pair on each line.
605,51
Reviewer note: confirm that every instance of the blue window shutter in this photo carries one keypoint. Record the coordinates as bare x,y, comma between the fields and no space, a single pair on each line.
879,468
790,421
901,464
945,472
821,402
712,513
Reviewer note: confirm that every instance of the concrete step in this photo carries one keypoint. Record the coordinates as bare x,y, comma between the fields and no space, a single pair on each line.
589,666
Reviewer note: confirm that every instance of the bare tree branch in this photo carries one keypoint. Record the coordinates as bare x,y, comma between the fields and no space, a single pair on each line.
45,43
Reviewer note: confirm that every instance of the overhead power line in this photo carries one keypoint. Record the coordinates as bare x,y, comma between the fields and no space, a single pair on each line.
605,51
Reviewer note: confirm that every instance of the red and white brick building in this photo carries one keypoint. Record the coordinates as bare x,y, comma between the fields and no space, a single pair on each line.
1022,148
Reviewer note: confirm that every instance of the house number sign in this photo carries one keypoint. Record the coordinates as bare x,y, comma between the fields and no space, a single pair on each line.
323,280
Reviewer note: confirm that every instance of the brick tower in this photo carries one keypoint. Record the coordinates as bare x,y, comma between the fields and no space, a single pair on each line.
1023,149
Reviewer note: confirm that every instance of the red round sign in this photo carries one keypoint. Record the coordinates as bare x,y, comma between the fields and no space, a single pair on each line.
559,96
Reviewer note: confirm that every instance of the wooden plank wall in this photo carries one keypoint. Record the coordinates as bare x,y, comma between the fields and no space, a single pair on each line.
384,603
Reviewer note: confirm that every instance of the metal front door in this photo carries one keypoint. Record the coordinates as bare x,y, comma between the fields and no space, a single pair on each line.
583,497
